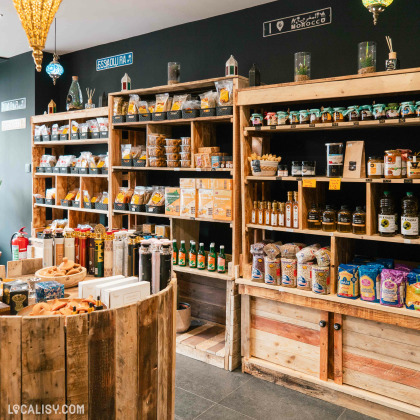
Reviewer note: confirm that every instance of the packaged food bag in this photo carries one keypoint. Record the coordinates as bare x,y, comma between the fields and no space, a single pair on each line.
393,283
348,281
257,251
370,282
412,300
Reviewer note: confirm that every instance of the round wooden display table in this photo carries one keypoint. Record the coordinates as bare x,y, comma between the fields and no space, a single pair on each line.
115,364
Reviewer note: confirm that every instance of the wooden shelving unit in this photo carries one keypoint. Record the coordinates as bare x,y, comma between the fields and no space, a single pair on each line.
329,347
213,297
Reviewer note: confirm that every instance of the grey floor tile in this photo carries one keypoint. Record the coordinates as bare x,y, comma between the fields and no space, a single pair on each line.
205,380
218,412
353,415
188,406
267,401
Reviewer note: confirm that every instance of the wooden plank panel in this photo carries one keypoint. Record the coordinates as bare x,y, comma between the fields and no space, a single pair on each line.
148,358
338,350
245,325
183,336
102,364
286,319
171,344
43,364
217,360
205,291
10,365
77,359
126,372
217,347
205,311
323,348
205,335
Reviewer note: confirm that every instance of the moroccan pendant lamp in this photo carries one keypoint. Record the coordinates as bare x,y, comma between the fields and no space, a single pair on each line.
36,17
55,69
376,7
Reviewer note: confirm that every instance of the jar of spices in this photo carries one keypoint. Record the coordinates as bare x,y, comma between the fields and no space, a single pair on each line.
257,120
418,109
282,118
303,116
282,170
405,153
408,109
296,168
352,113
294,117
375,167
327,115
366,113
392,164
413,167
329,223
339,114
314,218
271,118
359,221
314,116
344,219
379,111
335,159
392,111
308,168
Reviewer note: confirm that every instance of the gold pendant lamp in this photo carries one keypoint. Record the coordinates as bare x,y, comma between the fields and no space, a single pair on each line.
36,17
376,7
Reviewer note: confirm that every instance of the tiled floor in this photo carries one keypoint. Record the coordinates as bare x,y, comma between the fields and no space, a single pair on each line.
204,392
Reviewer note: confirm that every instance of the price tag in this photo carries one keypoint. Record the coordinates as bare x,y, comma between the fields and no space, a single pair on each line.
335,184
402,120
269,228
386,181
381,121
198,169
309,183
279,178
293,126
177,169
368,180
408,181
335,124
312,125
407,241
290,230
356,123
298,179
273,127
258,128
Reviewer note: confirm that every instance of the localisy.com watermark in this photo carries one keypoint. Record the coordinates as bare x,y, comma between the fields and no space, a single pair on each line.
46,409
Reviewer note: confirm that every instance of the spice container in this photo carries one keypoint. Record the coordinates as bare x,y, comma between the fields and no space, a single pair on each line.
314,116
308,168
379,111
171,142
173,156
367,57
327,115
314,218
392,111
303,116
282,118
413,167
392,164
335,159
375,167
257,120
338,114
271,118
329,219
344,219
405,153
366,113
155,151
186,148
155,162
359,221
156,140
294,117
408,110
282,170
302,66
185,141
296,168
172,149
185,155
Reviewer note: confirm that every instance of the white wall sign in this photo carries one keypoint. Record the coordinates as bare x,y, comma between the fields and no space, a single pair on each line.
115,61
13,105
307,20
17,124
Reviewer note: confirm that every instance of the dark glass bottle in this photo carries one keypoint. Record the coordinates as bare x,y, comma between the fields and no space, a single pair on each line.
314,218
359,221
329,223
410,217
254,76
344,219
386,217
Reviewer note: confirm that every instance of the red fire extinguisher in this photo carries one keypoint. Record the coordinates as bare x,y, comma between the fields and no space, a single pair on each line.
19,245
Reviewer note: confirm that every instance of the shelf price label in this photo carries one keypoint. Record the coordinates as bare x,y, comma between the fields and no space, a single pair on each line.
335,184
309,183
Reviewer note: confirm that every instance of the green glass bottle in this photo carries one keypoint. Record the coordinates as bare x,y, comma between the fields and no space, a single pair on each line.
182,260
201,257
211,259
192,256
174,252
221,260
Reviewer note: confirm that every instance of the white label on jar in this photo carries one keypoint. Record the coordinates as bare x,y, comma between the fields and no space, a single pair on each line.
403,168
335,159
288,217
392,168
282,121
386,223
375,169
409,225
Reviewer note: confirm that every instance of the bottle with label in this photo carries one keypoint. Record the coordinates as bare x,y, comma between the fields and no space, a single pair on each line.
192,255
47,255
268,214
76,245
410,217
386,217
221,260
182,255
254,213
69,244
201,257
295,210
58,247
260,213
282,215
344,219
329,223
289,209
174,252
359,221
314,218
211,260
274,215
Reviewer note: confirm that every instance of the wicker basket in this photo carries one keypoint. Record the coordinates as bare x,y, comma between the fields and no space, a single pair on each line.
68,281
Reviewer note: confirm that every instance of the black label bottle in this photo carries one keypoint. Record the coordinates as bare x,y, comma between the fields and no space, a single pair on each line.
344,219
314,218
410,217
386,217
329,223
359,221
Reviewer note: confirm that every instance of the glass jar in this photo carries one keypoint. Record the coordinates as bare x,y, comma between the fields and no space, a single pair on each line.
352,113
282,118
344,219
303,116
271,118
359,221
418,109
294,117
339,114
367,57
392,111
392,164
296,168
74,97
327,115
308,168
314,116
379,111
375,167
282,170
314,218
302,66
257,120
329,222
408,110
335,159
366,113
413,167
405,153
174,73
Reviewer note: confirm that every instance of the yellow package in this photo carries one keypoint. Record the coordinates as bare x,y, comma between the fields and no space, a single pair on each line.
71,195
205,183
77,196
223,184
172,201
86,196
188,202
178,101
222,209
205,203
162,102
162,230
187,182
143,107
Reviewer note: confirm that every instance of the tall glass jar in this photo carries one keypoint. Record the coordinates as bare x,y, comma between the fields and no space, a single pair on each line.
359,221
302,66
344,219
174,73
367,57
314,218
329,219
74,97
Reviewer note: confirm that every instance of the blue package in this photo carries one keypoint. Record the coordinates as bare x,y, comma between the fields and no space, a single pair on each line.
348,281
386,262
47,290
412,297
370,282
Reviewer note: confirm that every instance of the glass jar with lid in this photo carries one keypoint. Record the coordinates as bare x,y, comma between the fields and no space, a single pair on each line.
379,111
410,217
271,118
418,109
314,116
282,170
413,167
375,167
392,164
282,118
392,111
329,222
344,219
296,168
303,116
338,114
366,113
352,113
327,115
294,117
314,218
408,110
257,120
308,168
405,153
359,221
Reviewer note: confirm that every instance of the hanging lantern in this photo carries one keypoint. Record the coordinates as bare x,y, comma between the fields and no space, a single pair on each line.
36,17
376,7
55,69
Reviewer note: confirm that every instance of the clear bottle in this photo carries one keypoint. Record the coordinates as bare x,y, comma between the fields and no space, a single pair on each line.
192,256
274,215
74,97
386,216
182,259
267,215
344,219
282,215
410,217
329,222
254,213
289,209
261,213
221,260
295,210
359,221
211,260
201,257
314,218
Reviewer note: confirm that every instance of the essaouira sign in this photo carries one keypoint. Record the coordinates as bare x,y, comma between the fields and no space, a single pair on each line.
115,61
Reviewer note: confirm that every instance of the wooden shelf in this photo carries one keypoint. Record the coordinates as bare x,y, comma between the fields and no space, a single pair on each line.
204,273
45,175
70,115
72,208
71,142
186,121
325,179
132,168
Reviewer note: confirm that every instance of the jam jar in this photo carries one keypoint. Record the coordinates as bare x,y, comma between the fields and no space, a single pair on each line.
303,116
314,116
405,153
392,111
366,113
339,114
392,164
257,120
271,118
308,168
352,113
294,117
418,109
375,167
282,118
379,111
327,115
408,110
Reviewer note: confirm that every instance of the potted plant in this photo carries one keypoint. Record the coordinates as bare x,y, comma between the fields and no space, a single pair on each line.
367,57
302,66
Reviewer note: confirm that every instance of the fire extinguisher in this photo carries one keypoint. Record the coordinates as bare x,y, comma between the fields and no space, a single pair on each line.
19,245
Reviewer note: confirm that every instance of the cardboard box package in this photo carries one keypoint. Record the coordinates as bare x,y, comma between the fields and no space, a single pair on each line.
213,149
205,203
187,182
149,228
172,201
163,230
223,184
87,287
188,202
205,183
222,209
126,295
116,283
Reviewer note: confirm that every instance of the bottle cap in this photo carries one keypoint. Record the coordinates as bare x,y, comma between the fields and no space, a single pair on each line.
392,55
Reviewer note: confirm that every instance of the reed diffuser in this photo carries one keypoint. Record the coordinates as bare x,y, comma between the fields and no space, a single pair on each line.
392,63
90,93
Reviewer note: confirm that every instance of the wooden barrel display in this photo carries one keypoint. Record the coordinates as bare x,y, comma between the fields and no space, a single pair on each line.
116,364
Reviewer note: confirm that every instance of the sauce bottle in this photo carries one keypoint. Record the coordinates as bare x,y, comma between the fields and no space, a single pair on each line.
282,214
329,219
260,213
344,219
289,209
254,213
221,260
314,218
192,256
211,260
410,217
274,215
174,252
359,221
182,260
295,210
268,214
386,217
201,257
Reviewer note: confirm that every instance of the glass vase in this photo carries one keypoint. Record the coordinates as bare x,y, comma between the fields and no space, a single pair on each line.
367,57
74,97
302,66
174,73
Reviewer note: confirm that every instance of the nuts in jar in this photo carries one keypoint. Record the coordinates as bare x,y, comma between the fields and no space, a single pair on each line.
271,118
172,149
314,116
173,156
338,114
173,163
303,116
185,155
408,109
185,163
379,111
186,141
156,140
392,111
296,168
186,148
173,142
308,168
157,162
375,167
392,164
282,118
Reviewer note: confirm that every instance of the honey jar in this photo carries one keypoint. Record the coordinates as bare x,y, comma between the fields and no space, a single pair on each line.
339,114
375,167
271,118
408,109
327,115
314,116
392,164
352,113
